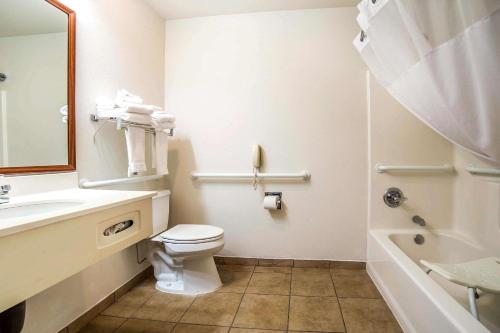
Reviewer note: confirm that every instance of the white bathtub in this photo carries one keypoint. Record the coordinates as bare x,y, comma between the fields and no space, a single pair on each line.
427,303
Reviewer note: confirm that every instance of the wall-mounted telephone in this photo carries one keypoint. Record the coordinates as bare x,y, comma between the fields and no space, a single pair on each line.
257,156
257,162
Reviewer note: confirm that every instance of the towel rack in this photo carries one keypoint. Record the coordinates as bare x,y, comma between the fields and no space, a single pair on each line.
483,171
301,176
85,183
381,168
121,124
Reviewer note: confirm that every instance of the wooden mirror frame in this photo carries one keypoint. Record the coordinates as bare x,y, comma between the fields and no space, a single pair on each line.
71,166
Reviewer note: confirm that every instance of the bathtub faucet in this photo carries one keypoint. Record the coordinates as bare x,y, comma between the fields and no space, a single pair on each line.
418,220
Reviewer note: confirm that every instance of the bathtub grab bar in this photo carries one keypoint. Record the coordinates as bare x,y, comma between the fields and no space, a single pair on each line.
483,171
85,183
381,168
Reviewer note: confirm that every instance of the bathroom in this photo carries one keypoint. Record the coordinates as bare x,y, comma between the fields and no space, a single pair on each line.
296,185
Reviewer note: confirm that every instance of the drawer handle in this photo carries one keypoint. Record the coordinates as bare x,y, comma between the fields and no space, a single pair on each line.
118,227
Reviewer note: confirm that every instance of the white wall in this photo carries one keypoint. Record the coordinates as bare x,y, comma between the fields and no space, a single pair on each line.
476,204
120,44
291,82
35,90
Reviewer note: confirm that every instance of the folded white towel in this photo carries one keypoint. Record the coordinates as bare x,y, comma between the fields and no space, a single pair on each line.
105,103
136,118
159,117
163,125
160,153
104,108
123,98
110,113
135,138
140,108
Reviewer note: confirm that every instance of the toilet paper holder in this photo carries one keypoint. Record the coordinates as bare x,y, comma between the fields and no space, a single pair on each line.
278,194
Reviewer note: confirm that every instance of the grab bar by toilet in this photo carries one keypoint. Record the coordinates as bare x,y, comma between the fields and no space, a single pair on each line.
301,176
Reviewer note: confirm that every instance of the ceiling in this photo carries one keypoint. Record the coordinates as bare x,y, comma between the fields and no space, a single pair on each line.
29,17
177,9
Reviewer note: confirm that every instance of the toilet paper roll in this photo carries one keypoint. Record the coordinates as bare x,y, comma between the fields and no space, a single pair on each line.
271,202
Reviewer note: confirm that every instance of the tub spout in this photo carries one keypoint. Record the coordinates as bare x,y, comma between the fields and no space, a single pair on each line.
418,220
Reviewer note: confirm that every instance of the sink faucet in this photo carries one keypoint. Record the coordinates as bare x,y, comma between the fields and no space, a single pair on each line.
418,220
4,190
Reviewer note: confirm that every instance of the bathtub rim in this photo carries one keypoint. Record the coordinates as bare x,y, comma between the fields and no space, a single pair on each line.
439,232
447,305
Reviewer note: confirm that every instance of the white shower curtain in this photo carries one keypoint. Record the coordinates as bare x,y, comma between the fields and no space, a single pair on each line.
441,60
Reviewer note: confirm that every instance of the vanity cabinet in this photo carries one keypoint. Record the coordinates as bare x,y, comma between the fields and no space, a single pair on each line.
32,260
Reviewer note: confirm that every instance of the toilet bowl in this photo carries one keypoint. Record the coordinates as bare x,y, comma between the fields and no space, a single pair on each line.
182,257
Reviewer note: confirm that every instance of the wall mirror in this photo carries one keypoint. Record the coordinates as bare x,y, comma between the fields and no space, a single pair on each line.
37,90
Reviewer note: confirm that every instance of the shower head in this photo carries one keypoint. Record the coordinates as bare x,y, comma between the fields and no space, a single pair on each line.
3,77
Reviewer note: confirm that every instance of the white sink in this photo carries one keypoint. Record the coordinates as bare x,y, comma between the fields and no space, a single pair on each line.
35,208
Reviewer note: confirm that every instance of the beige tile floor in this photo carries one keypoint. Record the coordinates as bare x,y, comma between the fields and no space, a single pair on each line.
256,299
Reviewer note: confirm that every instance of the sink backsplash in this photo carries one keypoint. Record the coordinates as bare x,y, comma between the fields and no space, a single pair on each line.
31,184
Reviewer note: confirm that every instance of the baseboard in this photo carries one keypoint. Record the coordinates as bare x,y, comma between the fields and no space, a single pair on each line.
222,260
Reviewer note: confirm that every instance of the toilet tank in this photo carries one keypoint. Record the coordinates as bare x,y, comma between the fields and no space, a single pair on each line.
161,208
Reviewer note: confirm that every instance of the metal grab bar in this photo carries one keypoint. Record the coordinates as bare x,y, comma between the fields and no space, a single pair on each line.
381,168
85,183
483,171
303,176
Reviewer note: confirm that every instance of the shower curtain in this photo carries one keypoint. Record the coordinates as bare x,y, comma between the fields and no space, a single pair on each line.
441,60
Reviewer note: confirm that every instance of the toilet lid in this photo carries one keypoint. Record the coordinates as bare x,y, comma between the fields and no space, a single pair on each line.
192,232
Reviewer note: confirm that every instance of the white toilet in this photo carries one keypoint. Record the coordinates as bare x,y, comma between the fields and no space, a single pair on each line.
182,257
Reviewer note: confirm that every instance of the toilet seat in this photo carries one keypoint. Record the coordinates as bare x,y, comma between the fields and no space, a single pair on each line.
190,234
199,241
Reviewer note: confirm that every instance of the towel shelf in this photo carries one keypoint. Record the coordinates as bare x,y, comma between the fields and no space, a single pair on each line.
121,124
85,183
381,168
300,176
483,171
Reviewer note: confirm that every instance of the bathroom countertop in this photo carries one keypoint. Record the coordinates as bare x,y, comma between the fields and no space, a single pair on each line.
79,202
